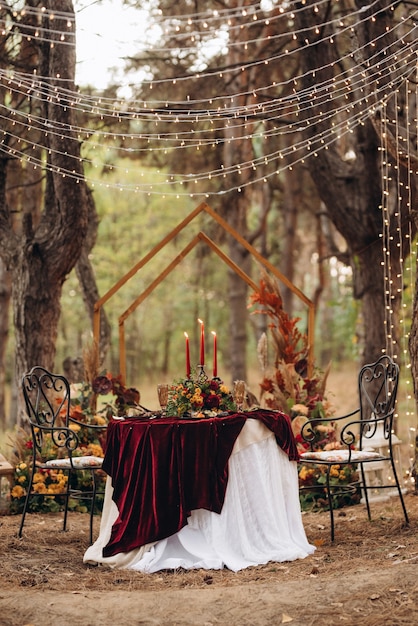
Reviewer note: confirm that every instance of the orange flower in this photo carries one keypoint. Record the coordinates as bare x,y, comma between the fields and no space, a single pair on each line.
77,413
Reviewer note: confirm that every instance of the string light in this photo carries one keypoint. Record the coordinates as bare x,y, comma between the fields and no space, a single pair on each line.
397,233
264,116
410,275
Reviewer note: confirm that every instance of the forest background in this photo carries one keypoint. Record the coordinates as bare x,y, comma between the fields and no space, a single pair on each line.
338,225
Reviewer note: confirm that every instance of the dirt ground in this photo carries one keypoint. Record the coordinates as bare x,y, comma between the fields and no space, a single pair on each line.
368,576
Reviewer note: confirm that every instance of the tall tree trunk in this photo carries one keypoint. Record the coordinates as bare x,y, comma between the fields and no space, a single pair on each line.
352,191
87,280
237,149
291,194
238,291
41,257
5,291
413,349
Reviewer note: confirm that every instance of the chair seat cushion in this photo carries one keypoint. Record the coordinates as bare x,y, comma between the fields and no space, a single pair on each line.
341,456
79,462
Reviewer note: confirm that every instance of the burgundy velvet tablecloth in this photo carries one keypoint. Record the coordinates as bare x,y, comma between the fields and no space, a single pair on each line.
164,468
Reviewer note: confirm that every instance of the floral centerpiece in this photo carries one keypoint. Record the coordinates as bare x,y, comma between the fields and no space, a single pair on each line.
199,396
286,386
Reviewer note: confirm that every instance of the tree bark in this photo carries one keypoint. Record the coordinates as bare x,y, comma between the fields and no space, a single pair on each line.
87,280
5,292
352,191
42,255
413,349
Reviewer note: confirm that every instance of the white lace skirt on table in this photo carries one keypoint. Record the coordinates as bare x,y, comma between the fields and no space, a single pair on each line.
260,520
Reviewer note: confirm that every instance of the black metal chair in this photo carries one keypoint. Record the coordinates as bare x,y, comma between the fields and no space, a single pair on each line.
55,445
377,386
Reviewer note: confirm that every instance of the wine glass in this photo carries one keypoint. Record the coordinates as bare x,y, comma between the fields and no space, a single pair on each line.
239,393
163,396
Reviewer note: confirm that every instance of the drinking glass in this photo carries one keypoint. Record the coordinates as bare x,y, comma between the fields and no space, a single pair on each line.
239,393
163,395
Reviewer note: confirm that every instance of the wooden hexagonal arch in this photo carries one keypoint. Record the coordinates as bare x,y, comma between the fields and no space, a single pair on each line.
200,237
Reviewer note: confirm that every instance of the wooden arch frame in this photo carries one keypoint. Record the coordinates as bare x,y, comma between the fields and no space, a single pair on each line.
169,268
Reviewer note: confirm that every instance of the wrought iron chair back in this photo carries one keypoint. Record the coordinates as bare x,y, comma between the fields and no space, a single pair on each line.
55,444
378,387
47,400
359,432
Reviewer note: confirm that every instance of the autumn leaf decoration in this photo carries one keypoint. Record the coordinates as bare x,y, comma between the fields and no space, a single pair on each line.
285,383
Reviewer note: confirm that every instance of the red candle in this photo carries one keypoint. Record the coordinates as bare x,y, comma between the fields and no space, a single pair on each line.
215,356
202,343
187,355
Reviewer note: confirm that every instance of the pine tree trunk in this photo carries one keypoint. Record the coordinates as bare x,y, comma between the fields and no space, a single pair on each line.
41,256
352,191
5,290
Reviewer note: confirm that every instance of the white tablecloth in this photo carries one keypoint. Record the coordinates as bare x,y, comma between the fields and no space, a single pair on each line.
260,520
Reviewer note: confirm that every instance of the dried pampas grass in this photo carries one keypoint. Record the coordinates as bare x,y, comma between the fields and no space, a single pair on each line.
91,361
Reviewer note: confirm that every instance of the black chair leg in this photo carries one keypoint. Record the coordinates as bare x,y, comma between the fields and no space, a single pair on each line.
398,486
365,490
93,503
22,519
26,505
329,497
67,498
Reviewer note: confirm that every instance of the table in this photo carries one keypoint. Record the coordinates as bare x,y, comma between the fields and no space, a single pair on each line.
213,493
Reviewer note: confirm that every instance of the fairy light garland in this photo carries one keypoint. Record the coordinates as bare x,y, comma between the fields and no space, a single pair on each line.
395,231
209,21
321,141
248,64
213,116
411,268
38,87
180,138
258,120
35,88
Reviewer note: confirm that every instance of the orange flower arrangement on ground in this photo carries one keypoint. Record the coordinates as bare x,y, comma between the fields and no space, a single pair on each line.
84,409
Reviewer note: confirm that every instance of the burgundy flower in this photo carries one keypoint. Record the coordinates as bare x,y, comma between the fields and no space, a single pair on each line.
214,385
117,387
301,367
212,401
131,396
102,385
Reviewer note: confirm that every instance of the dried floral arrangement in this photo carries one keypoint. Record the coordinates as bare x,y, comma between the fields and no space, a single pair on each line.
286,386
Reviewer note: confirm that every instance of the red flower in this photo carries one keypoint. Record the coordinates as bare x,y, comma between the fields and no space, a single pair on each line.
267,385
131,396
214,385
212,401
301,443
